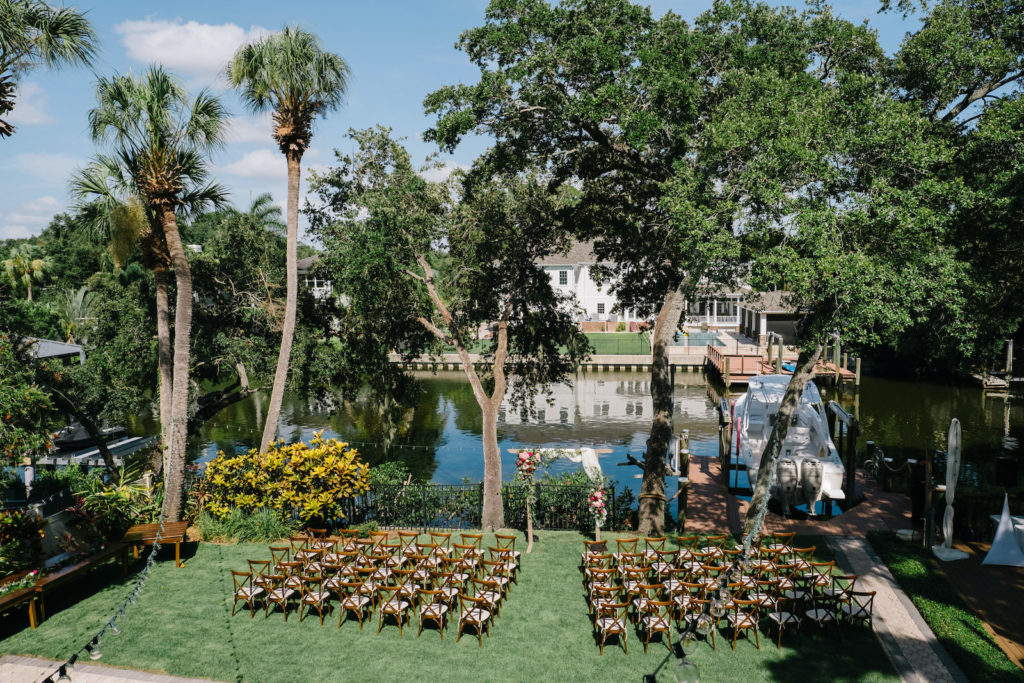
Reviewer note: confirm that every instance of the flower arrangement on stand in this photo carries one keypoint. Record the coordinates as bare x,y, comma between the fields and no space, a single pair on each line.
526,466
598,509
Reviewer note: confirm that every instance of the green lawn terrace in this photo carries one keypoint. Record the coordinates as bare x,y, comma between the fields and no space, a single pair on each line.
182,626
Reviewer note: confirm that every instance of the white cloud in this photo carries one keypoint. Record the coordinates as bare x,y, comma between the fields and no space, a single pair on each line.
249,129
439,174
29,218
30,102
259,163
198,50
267,163
46,166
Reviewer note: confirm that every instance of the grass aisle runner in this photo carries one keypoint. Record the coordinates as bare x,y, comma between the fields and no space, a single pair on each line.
543,634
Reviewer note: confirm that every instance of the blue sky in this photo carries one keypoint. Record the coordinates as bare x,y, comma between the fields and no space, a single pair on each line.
398,52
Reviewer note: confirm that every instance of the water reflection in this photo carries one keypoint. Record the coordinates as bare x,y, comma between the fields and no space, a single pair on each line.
436,430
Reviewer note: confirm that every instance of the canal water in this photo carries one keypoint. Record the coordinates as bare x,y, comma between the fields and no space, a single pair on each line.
437,431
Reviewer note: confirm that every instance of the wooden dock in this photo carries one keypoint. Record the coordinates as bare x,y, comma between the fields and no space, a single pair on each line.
738,368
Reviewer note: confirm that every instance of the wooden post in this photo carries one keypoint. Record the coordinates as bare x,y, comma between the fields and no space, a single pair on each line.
852,432
927,498
769,351
856,379
727,381
529,521
835,361
846,360
1009,356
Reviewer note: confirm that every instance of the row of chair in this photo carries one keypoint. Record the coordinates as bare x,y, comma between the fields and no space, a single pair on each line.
431,578
654,588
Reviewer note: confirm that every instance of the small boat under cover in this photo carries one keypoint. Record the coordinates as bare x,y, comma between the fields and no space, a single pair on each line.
809,467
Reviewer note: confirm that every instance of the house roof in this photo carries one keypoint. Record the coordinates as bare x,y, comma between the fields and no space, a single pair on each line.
48,348
305,265
579,253
770,302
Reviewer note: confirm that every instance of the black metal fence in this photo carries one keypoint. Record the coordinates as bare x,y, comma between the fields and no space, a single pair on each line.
460,506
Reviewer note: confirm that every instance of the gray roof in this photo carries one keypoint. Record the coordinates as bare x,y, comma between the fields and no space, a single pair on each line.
770,302
581,253
48,348
306,264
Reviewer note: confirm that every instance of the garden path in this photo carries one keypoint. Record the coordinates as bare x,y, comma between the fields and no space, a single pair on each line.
20,668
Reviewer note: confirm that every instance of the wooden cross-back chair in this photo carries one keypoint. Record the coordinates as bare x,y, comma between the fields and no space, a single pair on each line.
313,596
353,598
785,613
860,607
279,554
434,608
279,594
474,614
391,605
245,592
260,570
657,619
408,541
507,542
744,617
611,620
490,592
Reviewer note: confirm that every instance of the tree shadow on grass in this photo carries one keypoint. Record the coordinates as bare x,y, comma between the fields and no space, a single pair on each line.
71,593
851,655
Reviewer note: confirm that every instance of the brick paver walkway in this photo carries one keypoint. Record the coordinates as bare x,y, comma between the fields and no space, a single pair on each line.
909,642
19,669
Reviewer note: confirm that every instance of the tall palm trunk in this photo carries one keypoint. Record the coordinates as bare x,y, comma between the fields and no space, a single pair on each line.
802,374
163,345
29,283
175,475
290,306
652,488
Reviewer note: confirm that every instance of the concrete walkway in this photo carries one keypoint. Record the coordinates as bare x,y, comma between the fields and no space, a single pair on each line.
915,652
20,669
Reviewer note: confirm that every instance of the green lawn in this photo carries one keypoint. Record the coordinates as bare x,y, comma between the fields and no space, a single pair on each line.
181,625
620,343
959,630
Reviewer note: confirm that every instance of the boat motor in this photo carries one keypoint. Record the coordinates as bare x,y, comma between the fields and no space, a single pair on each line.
811,476
787,482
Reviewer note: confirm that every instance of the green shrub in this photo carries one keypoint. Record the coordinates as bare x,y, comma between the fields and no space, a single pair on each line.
621,327
108,509
389,473
48,482
261,526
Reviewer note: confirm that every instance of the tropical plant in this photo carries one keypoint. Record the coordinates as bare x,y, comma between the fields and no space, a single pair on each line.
291,74
75,308
159,140
262,525
110,508
27,415
33,34
310,481
21,533
24,264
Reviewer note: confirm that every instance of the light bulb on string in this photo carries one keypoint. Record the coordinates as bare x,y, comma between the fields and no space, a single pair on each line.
688,643
704,625
686,671
113,628
62,675
94,649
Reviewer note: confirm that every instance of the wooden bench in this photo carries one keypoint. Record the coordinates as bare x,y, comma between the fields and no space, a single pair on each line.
51,581
144,534
19,597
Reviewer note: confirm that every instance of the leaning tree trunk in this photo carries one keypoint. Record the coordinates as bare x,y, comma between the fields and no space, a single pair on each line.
493,508
164,360
802,374
652,489
174,477
291,303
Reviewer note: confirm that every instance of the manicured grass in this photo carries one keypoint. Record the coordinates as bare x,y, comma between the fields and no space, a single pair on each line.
181,625
957,628
620,343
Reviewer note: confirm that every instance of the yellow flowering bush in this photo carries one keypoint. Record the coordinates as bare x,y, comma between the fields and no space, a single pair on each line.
311,480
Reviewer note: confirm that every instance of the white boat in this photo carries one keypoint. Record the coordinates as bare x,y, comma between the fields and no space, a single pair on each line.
809,467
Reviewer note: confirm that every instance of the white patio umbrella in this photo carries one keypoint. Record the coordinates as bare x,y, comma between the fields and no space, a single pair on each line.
946,551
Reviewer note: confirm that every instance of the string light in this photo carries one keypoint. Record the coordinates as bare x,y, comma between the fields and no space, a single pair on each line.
93,646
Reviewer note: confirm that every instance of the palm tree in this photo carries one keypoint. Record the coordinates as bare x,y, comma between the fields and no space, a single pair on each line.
290,74
24,265
160,138
75,307
33,34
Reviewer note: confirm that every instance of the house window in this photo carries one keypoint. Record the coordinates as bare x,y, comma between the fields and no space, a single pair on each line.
563,277
600,309
563,415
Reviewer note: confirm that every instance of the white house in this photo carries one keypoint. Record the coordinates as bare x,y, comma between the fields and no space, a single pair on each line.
319,287
570,274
